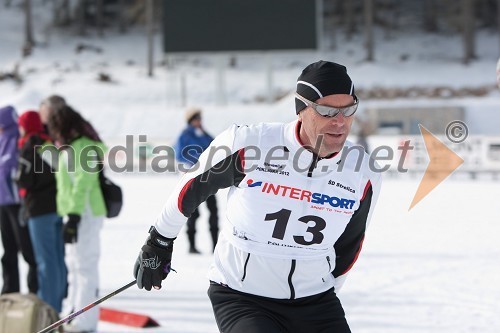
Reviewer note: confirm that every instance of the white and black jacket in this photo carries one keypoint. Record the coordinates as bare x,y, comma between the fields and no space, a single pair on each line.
294,223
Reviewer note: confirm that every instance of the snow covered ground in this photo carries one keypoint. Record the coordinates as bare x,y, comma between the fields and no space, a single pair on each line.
433,269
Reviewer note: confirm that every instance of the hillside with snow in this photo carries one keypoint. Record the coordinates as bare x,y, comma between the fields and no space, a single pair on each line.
132,103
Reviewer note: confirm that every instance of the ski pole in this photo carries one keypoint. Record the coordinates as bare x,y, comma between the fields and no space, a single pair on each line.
88,307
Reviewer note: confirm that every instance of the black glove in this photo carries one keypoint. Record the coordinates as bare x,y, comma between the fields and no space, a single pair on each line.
70,229
153,263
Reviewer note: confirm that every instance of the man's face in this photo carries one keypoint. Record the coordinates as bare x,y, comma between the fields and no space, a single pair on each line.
44,113
331,131
196,122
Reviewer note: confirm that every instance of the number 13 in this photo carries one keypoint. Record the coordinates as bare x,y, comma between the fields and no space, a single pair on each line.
283,216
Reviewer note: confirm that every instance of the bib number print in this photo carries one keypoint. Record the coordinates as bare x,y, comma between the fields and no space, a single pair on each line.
282,219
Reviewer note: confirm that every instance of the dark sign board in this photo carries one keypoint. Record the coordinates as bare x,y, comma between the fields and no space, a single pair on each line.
238,25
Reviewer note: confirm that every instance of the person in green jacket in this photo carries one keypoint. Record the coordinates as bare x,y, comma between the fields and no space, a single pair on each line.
80,201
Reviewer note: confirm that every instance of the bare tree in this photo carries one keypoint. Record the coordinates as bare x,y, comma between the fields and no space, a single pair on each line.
99,17
65,15
391,17
349,18
326,24
122,24
498,22
81,17
369,43
430,17
150,24
468,27
28,29
55,12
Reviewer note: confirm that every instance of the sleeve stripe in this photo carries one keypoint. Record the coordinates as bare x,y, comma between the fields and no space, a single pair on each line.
222,175
355,257
241,154
368,185
183,192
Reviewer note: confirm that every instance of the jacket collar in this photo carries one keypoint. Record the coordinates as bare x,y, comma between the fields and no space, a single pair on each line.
305,161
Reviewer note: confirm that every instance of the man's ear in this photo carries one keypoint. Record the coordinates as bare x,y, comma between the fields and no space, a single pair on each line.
300,115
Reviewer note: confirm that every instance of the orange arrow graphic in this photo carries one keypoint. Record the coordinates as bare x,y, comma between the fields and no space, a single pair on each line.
443,161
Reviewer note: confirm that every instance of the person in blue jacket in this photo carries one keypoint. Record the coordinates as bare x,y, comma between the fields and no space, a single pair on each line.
14,232
190,144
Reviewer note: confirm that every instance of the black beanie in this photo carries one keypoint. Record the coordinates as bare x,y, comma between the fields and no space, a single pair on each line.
321,79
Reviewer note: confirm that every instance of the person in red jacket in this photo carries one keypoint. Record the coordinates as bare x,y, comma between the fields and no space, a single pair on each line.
38,187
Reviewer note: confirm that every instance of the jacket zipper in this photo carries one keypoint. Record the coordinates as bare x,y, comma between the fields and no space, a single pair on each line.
311,167
314,163
290,283
245,268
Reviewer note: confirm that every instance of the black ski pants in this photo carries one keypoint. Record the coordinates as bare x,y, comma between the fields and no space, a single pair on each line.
237,312
213,221
15,239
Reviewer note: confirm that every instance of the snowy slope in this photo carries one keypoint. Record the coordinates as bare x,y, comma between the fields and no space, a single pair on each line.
433,269
135,104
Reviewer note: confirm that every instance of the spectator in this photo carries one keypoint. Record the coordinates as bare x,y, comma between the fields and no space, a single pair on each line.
49,104
15,236
191,143
80,201
37,181
55,102
363,135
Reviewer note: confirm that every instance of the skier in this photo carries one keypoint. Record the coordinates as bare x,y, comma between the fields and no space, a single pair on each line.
297,210
36,178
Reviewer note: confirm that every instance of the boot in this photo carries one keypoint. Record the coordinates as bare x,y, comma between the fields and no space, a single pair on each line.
215,237
193,250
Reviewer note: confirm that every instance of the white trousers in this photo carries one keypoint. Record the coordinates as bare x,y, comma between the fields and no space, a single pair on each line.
82,260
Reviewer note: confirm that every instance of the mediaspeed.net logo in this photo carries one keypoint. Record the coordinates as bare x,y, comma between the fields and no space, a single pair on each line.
442,162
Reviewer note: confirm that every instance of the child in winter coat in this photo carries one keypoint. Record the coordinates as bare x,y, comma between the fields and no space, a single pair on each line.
38,187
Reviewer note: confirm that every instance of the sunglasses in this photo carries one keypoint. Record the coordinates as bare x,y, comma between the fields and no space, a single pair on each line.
330,111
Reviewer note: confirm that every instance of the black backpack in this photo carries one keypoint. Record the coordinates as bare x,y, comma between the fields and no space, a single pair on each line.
112,193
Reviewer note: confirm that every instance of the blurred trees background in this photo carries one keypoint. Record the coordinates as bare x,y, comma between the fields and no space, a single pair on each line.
443,17
370,19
